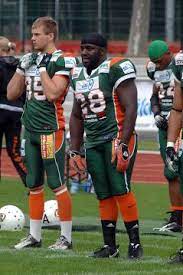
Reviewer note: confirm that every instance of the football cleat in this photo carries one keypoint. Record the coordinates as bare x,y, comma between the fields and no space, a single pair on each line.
177,257
135,251
173,224
28,242
61,244
106,252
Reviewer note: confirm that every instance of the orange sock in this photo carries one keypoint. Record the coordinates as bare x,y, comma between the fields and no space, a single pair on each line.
175,208
128,207
36,204
64,205
108,209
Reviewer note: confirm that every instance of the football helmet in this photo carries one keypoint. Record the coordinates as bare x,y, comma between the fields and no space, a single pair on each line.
11,218
50,215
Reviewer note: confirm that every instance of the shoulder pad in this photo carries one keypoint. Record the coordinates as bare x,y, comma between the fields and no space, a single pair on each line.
104,67
56,55
151,67
70,62
179,58
76,72
127,66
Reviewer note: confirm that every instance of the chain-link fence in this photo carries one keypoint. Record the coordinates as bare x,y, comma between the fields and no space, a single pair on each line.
75,18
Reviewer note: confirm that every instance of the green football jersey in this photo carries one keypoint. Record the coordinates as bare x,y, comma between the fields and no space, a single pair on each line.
102,114
40,115
177,67
164,80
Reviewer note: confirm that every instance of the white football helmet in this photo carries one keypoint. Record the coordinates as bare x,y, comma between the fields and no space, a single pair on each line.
50,215
11,218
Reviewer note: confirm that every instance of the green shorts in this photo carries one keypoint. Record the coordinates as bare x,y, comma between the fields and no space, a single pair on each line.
106,179
44,154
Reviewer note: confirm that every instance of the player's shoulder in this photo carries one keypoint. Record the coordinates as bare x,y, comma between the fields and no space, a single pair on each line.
124,64
178,59
150,66
66,60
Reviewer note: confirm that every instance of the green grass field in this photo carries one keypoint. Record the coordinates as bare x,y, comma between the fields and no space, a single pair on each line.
153,204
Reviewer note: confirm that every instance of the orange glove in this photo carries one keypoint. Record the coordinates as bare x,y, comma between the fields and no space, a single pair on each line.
76,162
120,153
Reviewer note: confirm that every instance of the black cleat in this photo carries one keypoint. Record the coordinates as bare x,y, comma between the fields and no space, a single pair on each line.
177,258
28,242
173,224
135,251
106,252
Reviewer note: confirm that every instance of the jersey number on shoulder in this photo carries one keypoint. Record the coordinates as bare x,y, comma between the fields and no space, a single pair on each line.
34,88
95,104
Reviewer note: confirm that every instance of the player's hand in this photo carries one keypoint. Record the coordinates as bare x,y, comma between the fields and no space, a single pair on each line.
161,122
76,162
121,154
43,60
26,62
171,159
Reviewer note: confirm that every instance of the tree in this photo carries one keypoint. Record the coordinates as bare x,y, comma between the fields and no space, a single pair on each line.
139,28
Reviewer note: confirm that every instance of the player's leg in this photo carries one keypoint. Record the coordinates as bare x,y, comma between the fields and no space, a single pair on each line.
12,134
107,205
175,221
125,198
53,154
34,181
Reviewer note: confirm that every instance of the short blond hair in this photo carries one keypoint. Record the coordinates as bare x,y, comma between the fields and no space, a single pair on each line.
5,44
49,24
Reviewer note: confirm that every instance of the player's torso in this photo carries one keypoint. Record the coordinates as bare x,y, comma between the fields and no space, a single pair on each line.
164,81
40,115
96,97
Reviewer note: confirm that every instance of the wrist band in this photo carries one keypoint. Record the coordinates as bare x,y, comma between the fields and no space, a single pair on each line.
170,144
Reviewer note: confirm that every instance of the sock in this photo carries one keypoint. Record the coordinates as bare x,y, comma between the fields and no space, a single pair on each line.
35,229
128,207
132,229
108,214
65,212
36,209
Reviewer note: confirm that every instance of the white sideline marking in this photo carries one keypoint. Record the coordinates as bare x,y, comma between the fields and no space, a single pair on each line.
148,152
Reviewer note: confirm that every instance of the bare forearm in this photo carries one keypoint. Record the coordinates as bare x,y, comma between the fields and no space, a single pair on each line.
16,87
50,87
76,132
174,128
129,125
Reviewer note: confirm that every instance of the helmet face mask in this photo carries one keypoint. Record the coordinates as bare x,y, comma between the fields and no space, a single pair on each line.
11,218
50,215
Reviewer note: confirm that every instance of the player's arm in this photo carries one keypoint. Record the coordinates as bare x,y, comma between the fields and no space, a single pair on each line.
155,106
16,86
127,94
54,87
76,126
175,119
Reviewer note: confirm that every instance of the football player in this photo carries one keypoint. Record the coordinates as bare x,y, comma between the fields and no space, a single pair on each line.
160,72
45,76
105,106
174,160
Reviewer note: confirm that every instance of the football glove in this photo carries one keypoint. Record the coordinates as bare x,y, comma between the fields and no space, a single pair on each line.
120,153
26,62
43,60
161,122
171,159
76,162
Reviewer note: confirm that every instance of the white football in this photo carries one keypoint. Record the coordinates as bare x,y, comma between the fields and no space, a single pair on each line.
50,215
11,218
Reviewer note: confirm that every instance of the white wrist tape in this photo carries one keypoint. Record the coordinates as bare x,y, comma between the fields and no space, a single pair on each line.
19,71
170,144
42,69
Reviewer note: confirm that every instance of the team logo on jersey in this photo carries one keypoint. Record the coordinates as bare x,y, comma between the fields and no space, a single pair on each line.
127,67
87,85
70,62
104,67
32,71
163,76
179,58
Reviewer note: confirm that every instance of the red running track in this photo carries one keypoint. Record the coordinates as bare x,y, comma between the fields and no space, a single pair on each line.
148,168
